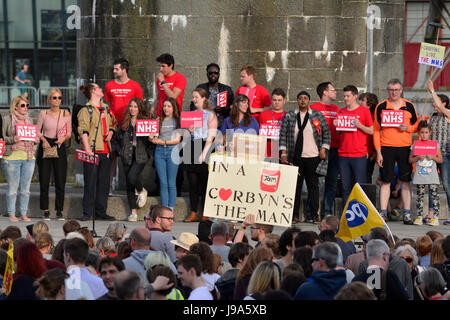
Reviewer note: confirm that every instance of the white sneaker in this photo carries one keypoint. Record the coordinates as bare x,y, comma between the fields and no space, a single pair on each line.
142,198
132,217
433,222
418,221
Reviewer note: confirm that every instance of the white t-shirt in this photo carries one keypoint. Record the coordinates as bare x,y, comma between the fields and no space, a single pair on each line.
210,279
200,293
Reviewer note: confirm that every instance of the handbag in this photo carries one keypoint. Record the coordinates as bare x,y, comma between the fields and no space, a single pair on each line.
52,152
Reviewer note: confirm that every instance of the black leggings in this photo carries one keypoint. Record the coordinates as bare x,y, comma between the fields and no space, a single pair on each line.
132,174
197,188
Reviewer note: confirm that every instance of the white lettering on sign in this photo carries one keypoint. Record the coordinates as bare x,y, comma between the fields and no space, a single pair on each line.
392,118
270,131
146,127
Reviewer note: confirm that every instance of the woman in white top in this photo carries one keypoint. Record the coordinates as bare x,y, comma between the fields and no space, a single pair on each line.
197,157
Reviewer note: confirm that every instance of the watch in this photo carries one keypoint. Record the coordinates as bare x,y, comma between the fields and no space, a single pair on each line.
163,82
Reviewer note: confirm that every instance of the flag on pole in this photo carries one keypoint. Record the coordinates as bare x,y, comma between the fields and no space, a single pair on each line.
9,270
359,216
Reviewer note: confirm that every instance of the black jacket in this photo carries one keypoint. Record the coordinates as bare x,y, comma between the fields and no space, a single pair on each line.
143,146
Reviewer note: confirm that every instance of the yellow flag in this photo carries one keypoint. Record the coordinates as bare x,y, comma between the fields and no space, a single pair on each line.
9,270
359,216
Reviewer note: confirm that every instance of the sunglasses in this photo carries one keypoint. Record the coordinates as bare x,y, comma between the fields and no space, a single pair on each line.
314,259
213,72
408,259
23,105
57,98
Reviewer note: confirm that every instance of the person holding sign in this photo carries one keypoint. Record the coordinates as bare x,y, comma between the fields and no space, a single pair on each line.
392,143
426,174
199,149
18,159
220,95
239,121
167,152
270,123
304,140
353,124
440,131
96,131
55,127
134,153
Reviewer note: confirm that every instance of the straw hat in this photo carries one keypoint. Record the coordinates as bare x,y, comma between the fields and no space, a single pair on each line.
185,240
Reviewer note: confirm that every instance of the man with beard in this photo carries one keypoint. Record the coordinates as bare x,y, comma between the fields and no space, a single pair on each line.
214,88
110,267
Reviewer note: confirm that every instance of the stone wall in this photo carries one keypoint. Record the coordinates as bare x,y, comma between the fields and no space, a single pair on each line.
294,44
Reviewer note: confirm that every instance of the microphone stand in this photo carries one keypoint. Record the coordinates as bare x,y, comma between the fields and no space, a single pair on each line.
94,234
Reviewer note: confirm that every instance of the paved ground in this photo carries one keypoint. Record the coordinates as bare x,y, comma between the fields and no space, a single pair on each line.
397,228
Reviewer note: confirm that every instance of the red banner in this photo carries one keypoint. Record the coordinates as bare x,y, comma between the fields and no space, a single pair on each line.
83,156
145,127
2,148
27,132
346,123
270,131
222,99
392,118
425,148
191,119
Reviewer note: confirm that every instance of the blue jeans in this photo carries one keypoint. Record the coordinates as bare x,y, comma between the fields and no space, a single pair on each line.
329,192
18,172
167,160
352,170
445,176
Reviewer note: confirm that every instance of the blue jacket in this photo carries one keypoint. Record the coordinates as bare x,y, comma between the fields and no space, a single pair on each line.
324,286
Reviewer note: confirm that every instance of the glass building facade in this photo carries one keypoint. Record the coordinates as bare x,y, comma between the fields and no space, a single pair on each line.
35,32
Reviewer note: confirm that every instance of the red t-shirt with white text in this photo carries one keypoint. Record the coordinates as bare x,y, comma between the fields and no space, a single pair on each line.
177,80
330,112
272,118
259,97
120,94
354,143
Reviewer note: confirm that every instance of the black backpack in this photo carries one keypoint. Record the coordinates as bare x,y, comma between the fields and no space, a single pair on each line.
75,110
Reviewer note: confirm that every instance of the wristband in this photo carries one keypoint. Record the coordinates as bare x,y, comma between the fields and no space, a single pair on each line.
432,91
163,82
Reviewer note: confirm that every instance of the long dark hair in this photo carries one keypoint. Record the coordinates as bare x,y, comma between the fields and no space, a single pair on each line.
87,89
234,113
444,100
175,114
142,114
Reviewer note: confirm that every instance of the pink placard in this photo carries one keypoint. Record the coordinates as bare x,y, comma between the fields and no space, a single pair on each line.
425,148
2,148
392,118
145,127
346,123
83,156
27,132
222,99
270,131
191,118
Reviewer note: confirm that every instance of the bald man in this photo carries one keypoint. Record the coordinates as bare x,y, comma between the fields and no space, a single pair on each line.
140,246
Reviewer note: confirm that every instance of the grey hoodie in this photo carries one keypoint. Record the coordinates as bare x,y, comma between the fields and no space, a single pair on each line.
135,262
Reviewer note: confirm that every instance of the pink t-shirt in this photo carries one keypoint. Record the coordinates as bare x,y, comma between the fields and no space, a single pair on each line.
48,124
309,150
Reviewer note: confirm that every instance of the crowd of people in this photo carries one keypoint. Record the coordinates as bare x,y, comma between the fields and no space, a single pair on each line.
220,264
308,137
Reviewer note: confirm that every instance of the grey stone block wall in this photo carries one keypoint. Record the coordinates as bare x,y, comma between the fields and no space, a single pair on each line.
294,44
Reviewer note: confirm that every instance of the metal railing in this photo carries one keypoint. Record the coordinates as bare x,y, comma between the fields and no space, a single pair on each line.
36,97
69,96
7,94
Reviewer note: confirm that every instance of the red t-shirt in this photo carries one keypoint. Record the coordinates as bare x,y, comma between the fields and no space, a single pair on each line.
120,94
354,143
259,97
105,144
177,80
330,112
272,118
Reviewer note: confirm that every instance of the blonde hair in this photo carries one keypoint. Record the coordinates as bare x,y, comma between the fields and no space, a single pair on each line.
266,277
52,92
39,227
15,101
43,240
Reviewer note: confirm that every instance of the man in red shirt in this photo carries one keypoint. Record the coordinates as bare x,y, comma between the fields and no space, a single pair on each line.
273,118
259,97
327,95
353,144
118,92
170,84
